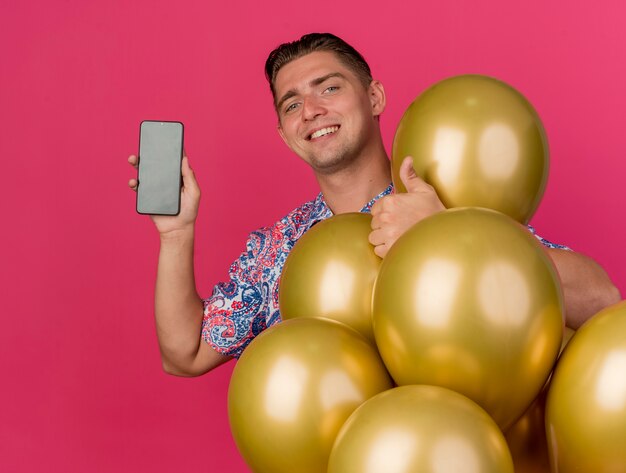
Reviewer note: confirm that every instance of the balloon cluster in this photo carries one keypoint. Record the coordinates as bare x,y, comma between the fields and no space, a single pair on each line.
420,361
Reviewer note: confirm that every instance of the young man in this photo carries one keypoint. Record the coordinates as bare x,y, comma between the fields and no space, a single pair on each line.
328,109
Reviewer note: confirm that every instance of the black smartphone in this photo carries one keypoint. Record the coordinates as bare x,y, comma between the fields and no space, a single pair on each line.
159,177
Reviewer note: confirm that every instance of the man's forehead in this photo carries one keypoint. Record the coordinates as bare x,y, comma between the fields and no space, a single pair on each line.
302,71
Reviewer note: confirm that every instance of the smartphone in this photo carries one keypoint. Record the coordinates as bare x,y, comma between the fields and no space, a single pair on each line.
159,177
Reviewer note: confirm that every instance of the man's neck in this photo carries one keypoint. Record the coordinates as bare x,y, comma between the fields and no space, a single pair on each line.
350,189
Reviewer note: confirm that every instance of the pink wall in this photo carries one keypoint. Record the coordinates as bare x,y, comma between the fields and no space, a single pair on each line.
82,389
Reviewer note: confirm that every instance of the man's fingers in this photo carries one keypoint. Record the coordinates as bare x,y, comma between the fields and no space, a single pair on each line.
381,242
381,250
377,207
381,220
375,223
133,161
377,239
410,179
186,170
189,177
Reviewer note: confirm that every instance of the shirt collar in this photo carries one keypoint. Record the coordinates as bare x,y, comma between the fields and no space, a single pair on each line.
368,207
322,209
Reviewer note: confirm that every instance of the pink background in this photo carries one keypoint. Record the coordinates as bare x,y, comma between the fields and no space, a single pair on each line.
82,387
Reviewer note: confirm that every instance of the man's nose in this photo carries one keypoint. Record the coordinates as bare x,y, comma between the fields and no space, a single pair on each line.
312,108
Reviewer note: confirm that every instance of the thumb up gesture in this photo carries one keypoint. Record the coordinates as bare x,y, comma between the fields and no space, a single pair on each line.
394,214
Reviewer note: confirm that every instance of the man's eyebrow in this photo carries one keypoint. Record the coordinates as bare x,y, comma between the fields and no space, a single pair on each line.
321,80
315,82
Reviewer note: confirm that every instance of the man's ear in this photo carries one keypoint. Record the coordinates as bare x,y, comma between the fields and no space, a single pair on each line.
282,134
377,97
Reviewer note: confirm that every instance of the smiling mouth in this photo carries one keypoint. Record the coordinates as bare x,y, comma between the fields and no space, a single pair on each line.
323,132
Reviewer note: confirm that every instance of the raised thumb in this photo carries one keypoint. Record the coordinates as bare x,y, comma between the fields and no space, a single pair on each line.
412,182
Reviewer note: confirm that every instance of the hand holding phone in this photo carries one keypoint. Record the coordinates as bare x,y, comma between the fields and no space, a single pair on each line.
159,176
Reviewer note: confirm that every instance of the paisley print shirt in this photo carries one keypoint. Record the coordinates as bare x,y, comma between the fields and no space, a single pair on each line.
245,305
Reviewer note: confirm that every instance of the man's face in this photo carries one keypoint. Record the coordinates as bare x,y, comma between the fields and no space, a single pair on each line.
326,115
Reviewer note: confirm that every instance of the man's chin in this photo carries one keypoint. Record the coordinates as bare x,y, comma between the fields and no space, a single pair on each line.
327,167
330,165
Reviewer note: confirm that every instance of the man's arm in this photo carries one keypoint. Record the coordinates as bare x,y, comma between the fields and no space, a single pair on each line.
178,310
178,307
586,287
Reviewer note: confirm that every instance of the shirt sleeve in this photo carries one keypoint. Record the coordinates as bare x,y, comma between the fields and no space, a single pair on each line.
236,312
546,243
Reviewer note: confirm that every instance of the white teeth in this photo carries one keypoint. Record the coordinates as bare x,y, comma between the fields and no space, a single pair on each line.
324,131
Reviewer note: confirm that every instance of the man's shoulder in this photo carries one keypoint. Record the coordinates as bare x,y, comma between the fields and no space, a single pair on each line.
296,222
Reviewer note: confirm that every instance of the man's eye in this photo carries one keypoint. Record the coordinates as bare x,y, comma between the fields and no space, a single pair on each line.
291,107
332,88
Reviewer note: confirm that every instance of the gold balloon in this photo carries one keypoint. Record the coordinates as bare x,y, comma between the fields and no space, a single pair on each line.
468,299
527,437
424,429
586,406
479,143
330,273
294,387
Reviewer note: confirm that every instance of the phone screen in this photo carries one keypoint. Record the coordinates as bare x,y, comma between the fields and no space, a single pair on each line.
160,156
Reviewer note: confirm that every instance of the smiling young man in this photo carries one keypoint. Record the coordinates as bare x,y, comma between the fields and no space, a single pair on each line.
328,116
328,109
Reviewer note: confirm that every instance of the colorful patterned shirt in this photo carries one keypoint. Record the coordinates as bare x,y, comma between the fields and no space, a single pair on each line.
241,308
